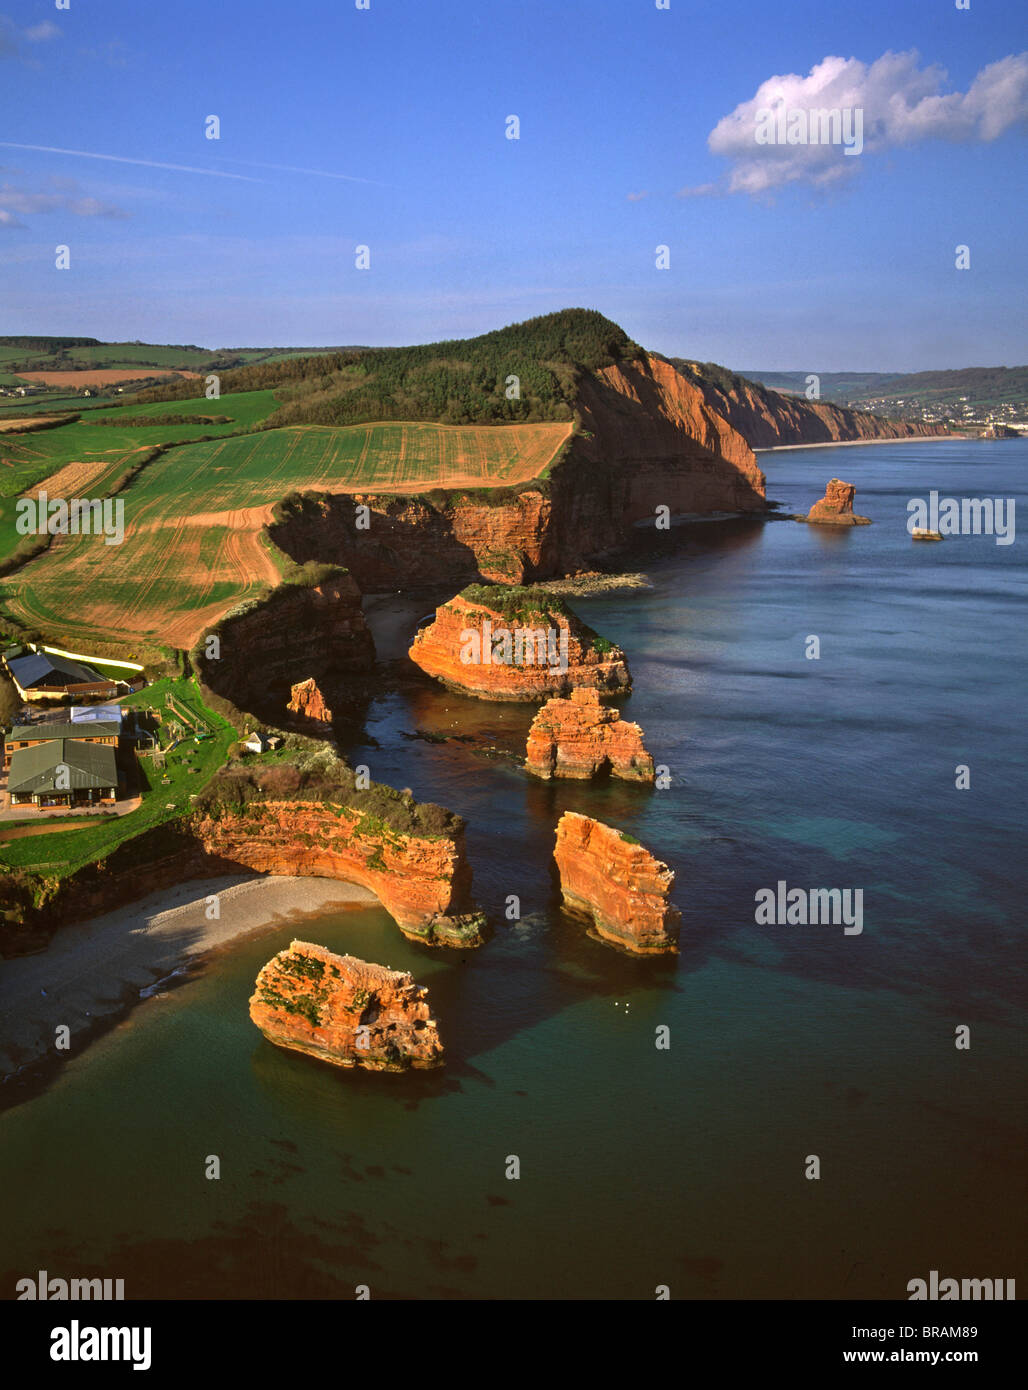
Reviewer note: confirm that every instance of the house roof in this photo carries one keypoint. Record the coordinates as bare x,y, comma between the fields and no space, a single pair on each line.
99,729
88,764
42,669
88,714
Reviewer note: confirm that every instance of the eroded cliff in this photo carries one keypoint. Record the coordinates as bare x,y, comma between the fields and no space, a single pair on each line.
771,419
646,439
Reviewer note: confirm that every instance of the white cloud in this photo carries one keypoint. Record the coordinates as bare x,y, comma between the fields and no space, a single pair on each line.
18,200
40,33
902,103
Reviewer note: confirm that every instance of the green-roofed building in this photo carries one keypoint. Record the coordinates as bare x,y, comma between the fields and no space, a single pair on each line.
63,772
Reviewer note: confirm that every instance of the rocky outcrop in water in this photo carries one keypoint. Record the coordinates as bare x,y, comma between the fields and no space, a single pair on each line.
581,738
308,703
835,508
608,876
345,1011
509,643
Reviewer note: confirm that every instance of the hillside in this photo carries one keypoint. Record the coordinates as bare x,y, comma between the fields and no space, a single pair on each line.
56,371
461,479
527,372
770,419
966,396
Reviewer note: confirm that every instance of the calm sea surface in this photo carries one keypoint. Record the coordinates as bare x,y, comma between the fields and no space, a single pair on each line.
638,1167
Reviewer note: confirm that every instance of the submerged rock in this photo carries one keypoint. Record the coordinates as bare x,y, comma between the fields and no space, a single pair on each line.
581,738
345,1011
609,876
835,508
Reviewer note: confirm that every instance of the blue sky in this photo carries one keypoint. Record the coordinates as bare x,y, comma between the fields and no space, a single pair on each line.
832,263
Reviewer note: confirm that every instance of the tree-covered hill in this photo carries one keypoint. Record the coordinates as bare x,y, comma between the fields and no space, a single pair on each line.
459,381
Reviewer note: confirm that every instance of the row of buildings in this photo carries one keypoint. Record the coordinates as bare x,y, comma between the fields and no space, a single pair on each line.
69,760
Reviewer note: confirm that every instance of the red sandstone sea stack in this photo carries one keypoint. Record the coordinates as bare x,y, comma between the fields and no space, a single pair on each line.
836,507
345,1011
581,738
307,702
500,642
618,883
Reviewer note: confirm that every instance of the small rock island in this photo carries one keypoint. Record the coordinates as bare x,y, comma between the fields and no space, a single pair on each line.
508,642
835,508
613,879
345,1011
581,738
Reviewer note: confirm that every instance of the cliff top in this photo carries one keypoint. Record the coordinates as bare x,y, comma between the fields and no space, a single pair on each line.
323,777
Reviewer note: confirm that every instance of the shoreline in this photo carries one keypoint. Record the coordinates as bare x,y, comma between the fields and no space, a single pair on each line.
93,975
852,443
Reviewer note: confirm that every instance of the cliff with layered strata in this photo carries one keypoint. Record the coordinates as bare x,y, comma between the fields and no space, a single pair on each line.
645,438
610,877
299,631
771,419
513,643
298,817
345,1011
580,738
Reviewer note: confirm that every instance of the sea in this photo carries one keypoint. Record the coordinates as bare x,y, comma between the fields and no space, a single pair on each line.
777,1112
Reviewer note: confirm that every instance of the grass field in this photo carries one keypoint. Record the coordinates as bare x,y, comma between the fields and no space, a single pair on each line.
162,801
193,518
102,452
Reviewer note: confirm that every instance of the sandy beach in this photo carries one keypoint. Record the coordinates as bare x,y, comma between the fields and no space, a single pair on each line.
859,443
100,969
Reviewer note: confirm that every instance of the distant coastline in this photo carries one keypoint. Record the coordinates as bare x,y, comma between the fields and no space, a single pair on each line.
850,443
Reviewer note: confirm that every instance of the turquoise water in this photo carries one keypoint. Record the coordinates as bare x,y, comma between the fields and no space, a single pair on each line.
638,1167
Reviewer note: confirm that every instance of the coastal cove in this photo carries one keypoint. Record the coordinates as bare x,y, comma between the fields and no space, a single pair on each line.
785,1040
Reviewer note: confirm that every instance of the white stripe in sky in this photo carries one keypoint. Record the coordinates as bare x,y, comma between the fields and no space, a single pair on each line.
123,159
189,168
292,169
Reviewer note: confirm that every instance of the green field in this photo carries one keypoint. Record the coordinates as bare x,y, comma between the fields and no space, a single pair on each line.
194,517
74,848
28,460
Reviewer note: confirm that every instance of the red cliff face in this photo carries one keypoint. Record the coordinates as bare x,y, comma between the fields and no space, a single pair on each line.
308,704
345,1011
617,883
296,632
648,439
581,738
479,650
771,419
836,507
424,882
